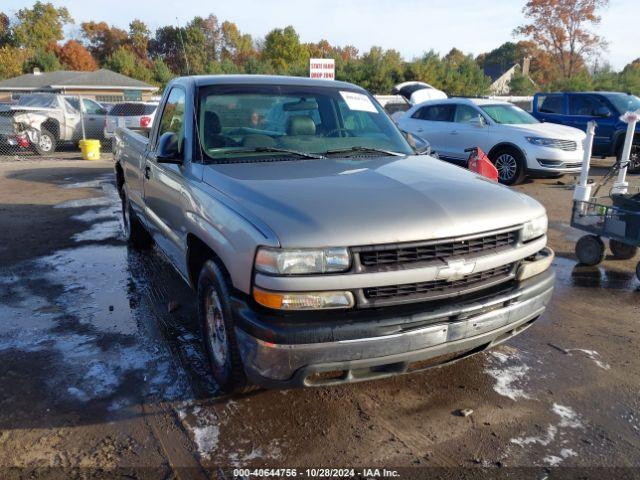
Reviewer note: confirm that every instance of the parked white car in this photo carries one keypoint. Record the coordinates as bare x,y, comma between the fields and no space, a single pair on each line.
517,143
137,116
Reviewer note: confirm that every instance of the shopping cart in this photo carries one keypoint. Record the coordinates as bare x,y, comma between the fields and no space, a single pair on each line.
602,218
615,217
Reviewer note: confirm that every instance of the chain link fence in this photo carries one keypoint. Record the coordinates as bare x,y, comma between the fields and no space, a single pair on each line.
51,125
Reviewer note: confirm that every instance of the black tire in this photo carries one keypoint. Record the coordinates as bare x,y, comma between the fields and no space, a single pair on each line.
590,250
634,165
622,251
46,144
218,332
634,157
135,233
638,270
510,164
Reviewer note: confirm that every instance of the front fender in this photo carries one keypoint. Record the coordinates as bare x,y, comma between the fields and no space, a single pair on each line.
217,222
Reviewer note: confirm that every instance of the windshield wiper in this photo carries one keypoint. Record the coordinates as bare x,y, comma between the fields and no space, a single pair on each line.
360,149
270,150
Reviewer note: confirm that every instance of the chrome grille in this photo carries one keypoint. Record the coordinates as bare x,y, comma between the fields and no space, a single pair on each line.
436,288
566,145
387,256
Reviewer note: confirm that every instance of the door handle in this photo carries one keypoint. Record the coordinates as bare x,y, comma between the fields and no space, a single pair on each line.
454,132
147,172
419,130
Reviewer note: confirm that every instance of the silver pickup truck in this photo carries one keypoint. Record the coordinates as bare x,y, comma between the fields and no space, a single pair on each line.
322,247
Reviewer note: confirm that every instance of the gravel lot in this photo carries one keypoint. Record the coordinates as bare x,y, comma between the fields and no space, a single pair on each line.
103,372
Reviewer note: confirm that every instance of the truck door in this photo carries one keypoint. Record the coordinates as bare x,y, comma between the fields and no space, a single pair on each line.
94,118
163,183
584,108
71,127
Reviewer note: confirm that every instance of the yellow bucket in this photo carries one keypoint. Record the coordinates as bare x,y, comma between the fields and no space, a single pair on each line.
90,149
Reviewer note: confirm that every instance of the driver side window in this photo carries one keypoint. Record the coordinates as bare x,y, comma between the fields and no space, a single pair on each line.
91,107
172,119
465,113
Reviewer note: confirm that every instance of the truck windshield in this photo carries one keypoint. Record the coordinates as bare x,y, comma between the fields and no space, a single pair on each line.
624,102
39,101
508,114
265,120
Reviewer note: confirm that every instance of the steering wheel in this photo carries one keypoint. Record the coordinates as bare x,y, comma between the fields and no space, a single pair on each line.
337,132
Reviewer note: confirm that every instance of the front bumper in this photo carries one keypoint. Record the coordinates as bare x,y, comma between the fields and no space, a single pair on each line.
461,329
553,160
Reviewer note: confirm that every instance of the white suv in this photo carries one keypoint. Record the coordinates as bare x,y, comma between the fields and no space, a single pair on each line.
516,142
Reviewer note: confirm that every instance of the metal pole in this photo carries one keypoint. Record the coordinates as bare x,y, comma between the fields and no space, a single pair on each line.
582,192
82,117
621,185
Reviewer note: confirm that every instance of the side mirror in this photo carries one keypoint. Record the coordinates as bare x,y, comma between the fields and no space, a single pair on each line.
602,112
420,146
168,151
477,121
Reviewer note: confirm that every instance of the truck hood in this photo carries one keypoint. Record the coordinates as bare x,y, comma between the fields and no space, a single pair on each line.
550,130
351,202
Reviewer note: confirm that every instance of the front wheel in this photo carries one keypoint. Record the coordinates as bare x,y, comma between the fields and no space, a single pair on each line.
46,143
218,329
510,165
590,250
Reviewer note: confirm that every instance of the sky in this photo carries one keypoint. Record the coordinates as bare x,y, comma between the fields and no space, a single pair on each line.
410,26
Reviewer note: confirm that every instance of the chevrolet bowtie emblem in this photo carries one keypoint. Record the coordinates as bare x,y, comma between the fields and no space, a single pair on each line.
455,270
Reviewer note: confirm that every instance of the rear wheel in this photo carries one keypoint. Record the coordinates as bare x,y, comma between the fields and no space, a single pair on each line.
510,165
134,231
590,250
622,251
218,329
638,270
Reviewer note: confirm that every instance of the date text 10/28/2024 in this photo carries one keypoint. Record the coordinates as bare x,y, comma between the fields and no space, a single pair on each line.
316,473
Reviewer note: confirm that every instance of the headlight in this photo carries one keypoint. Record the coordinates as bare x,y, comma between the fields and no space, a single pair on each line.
278,261
535,228
542,142
303,300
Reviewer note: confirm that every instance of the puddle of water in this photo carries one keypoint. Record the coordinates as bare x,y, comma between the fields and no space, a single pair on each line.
82,309
98,314
569,273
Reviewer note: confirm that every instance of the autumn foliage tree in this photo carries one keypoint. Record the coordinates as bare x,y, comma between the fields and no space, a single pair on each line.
102,39
74,56
560,28
557,39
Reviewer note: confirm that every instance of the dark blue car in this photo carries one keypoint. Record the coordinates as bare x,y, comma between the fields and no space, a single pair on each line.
575,109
